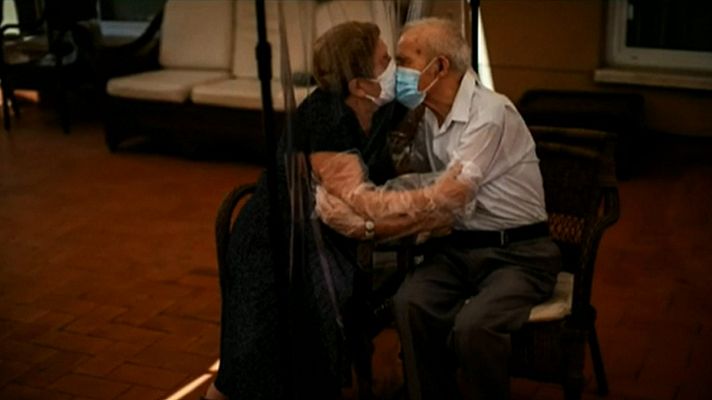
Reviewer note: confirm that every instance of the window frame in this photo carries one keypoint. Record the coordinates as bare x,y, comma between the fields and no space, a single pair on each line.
620,55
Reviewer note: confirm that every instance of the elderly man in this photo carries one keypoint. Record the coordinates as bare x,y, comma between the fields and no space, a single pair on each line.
456,309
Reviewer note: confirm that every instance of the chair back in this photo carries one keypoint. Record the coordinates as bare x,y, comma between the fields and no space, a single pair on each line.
224,223
197,34
581,197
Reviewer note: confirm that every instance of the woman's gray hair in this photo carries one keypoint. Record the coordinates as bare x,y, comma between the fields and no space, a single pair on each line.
448,41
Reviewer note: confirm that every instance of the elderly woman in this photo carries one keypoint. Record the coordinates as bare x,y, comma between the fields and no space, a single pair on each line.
341,129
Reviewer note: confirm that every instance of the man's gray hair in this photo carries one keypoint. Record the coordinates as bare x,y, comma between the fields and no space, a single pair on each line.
448,41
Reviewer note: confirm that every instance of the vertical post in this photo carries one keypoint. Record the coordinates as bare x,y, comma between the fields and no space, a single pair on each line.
264,70
7,95
474,32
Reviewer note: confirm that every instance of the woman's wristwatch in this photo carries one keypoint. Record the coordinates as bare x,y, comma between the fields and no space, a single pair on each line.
369,229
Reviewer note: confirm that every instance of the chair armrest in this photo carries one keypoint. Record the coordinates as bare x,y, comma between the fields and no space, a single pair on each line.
146,38
611,208
139,55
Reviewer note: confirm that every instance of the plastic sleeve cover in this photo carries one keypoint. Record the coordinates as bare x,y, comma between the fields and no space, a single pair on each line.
403,206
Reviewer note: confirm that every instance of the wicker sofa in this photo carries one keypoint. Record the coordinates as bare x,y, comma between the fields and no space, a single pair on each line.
204,90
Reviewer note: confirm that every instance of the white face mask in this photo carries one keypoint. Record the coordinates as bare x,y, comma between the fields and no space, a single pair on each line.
387,81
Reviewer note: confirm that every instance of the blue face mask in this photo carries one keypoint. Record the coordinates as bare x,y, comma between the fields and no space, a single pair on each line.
407,81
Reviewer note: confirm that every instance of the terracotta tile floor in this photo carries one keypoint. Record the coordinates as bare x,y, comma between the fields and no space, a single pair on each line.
108,288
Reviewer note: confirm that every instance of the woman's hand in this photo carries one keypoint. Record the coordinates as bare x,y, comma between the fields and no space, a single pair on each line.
451,192
335,213
440,224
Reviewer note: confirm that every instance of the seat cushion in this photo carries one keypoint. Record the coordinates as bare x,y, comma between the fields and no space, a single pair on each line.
242,93
559,305
164,85
197,34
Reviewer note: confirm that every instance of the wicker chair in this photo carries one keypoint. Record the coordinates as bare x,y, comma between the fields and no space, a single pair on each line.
582,201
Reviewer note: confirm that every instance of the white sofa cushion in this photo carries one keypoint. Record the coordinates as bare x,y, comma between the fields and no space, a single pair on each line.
164,85
298,16
197,34
242,93
559,305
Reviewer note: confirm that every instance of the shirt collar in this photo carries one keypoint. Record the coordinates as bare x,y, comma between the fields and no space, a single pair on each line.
460,111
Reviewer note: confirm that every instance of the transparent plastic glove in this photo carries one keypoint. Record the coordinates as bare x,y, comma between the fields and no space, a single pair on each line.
450,192
437,231
396,212
338,215
344,175
411,181
335,213
446,193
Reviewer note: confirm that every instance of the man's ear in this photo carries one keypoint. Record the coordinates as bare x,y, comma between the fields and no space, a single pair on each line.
444,68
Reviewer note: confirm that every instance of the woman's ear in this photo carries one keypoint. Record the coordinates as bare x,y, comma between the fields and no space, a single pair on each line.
357,87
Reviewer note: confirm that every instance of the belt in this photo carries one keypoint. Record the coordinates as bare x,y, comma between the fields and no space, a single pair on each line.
499,238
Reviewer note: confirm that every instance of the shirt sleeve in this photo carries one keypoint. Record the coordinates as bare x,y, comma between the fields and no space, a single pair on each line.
477,150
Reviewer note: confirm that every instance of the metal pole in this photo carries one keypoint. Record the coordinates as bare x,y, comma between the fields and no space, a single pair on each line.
474,31
278,241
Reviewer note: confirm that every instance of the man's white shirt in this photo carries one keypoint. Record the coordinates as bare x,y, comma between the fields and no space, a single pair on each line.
487,135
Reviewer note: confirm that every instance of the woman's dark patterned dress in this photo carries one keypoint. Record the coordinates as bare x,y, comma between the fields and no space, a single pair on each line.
252,360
